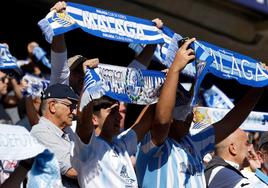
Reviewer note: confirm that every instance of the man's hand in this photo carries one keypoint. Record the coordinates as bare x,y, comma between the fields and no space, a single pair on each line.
158,23
59,6
183,56
90,63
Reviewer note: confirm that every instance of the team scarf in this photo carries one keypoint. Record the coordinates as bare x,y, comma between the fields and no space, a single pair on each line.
18,144
114,26
119,27
40,55
128,85
45,171
7,61
231,65
215,98
33,86
204,116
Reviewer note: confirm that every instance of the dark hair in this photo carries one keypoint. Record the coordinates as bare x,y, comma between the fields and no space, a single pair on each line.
264,146
102,103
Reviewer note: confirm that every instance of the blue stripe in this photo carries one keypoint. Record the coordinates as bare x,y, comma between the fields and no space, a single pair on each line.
204,134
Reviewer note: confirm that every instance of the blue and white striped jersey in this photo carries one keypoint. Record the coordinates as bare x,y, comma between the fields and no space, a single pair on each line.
103,164
174,163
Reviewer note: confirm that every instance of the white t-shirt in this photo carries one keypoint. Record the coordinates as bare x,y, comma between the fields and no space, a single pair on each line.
103,164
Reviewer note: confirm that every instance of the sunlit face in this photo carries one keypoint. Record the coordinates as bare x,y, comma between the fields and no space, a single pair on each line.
243,147
65,110
3,83
108,120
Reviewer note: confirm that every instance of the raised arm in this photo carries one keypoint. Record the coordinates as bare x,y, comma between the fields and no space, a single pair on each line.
85,126
144,121
146,54
59,68
166,102
237,115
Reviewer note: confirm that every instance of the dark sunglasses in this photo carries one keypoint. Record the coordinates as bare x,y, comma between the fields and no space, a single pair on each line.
71,106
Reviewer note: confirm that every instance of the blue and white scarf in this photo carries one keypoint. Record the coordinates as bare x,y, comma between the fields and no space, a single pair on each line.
18,144
231,65
215,98
7,61
204,116
45,172
124,28
40,55
33,86
123,84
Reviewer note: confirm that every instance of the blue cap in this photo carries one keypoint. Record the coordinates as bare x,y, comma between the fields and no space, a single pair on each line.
60,91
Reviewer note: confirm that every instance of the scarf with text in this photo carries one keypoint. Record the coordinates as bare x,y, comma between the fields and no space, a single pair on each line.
124,28
18,144
128,85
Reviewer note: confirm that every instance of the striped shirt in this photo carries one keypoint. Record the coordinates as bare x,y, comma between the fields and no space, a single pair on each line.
174,163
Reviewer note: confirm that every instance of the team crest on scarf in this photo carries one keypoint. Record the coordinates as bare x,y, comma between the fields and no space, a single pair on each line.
63,19
134,83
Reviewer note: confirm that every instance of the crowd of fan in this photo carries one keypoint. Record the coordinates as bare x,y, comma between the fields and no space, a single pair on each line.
95,149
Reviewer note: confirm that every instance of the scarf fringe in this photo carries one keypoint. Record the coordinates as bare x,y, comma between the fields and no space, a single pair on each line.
46,29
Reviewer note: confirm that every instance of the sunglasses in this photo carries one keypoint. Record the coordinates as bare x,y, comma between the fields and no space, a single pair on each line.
71,106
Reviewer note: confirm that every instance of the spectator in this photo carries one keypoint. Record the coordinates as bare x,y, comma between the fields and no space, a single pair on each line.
106,161
8,101
4,116
231,156
169,155
262,173
53,130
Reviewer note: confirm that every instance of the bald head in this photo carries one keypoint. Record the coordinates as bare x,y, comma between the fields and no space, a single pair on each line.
235,147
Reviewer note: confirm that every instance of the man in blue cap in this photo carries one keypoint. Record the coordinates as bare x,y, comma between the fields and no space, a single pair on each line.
58,108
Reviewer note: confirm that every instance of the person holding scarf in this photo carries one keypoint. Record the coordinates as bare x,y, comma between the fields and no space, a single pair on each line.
169,155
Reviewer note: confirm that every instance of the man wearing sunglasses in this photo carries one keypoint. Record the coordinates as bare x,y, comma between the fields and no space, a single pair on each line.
58,109
4,117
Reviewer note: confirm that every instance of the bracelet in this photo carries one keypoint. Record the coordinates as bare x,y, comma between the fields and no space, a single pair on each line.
26,165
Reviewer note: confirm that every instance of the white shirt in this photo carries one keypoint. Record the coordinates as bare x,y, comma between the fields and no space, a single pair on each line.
102,164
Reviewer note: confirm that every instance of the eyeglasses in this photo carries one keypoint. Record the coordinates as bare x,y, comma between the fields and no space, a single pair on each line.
71,106
3,79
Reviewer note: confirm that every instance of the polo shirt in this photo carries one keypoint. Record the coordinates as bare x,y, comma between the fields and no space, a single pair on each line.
60,142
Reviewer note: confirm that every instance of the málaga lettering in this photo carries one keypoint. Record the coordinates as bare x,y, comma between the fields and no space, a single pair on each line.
108,24
231,66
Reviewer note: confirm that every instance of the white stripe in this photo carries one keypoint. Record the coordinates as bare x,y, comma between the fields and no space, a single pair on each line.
55,25
170,182
204,56
214,172
159,171
74,10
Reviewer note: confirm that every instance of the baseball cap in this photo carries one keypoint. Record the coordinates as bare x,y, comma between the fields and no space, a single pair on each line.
60,91
263,139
